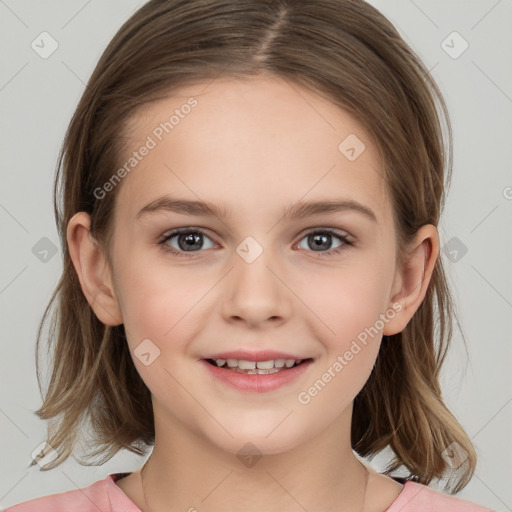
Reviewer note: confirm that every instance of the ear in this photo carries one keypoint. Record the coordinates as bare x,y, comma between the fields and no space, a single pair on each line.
93,270
412,279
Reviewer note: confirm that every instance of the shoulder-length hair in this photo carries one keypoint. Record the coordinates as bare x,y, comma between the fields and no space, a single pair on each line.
348,52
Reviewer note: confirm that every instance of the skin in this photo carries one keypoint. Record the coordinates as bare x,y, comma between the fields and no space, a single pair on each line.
256,146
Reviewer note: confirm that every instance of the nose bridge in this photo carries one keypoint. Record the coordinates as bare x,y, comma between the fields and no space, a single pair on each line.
255,293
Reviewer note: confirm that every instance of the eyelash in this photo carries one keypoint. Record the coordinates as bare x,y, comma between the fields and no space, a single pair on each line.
190,254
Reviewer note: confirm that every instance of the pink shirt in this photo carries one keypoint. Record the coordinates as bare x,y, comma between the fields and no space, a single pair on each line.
106,496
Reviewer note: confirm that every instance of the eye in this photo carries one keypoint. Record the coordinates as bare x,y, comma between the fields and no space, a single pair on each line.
323,239
188,240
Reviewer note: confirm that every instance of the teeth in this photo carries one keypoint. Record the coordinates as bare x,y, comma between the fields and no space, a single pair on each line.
264,365
260,367
246,365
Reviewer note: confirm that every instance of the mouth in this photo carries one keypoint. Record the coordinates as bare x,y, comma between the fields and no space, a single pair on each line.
257,367
256,372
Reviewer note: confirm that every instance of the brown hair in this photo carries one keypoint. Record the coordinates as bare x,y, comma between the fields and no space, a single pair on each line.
344,50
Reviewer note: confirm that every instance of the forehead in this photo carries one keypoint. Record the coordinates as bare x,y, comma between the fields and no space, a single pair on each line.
254,144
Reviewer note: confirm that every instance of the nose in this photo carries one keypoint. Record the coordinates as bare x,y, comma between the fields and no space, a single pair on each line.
257,292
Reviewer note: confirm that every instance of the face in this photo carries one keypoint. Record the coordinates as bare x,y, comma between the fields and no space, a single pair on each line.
316,286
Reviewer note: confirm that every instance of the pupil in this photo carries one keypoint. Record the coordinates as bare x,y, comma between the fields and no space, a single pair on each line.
319,239
192,241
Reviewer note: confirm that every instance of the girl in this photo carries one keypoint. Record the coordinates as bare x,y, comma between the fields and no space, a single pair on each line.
252,282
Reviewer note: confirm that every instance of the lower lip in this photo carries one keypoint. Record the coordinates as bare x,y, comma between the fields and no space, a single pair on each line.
257,383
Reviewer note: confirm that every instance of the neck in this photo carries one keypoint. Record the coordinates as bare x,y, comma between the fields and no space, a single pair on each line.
321,474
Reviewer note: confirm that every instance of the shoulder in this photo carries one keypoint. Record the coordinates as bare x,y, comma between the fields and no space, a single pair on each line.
102,495
416,497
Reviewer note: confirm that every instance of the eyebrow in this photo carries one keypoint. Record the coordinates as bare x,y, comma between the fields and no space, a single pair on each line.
298,210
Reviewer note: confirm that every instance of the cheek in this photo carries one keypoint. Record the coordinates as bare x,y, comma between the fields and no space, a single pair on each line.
346,300
349,307
163,303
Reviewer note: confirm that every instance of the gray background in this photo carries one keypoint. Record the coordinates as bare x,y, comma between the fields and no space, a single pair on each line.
37,99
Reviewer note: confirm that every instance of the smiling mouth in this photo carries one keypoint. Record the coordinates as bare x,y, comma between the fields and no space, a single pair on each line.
256,368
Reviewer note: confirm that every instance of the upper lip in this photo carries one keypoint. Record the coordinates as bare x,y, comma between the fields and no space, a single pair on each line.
259,355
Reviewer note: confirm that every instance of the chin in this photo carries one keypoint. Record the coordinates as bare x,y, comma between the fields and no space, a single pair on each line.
262,438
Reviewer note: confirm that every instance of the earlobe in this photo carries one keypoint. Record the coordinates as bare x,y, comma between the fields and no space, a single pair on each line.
93,270
414,277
